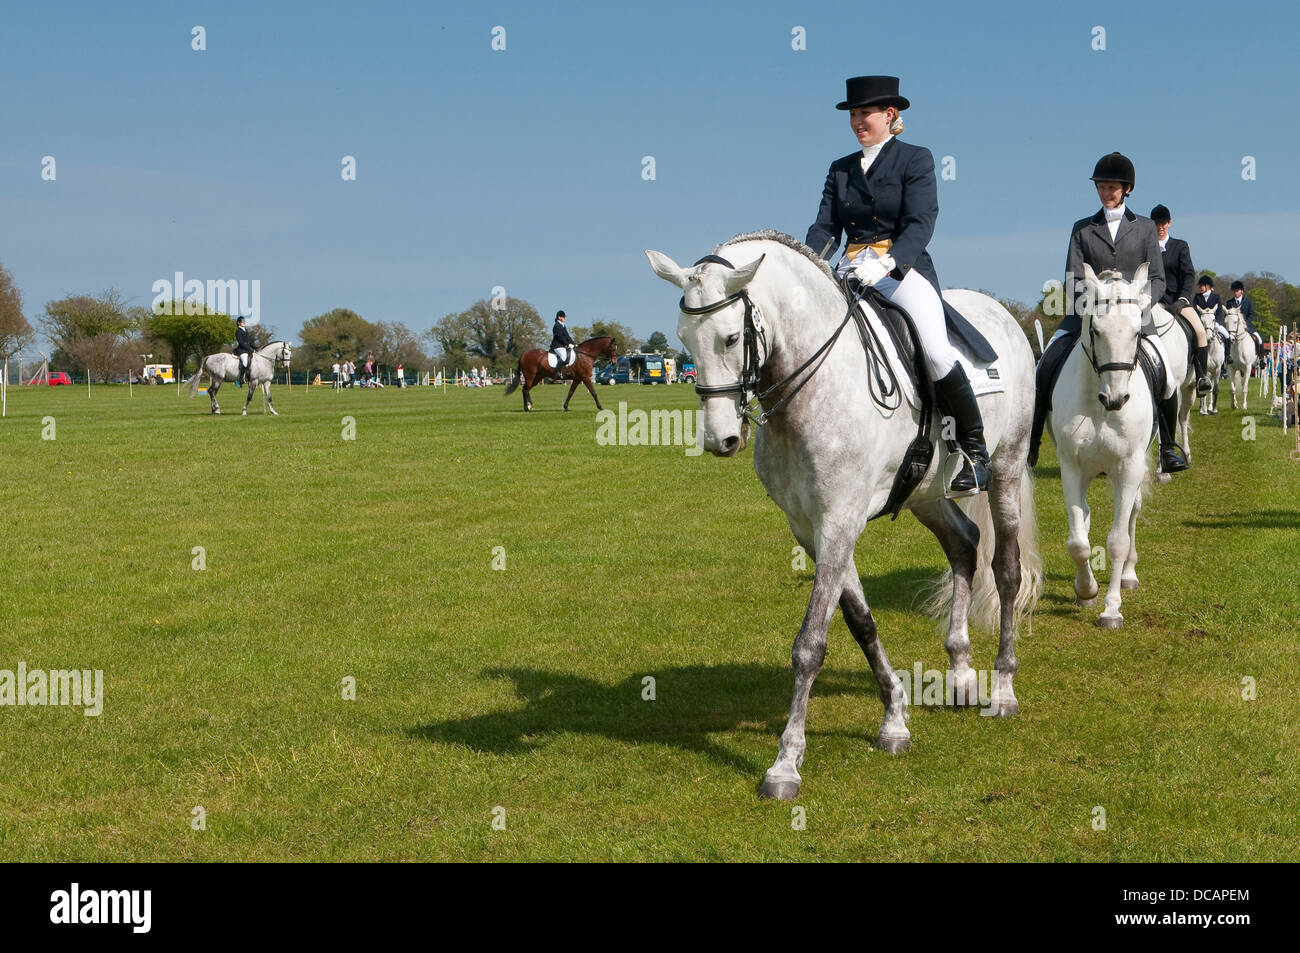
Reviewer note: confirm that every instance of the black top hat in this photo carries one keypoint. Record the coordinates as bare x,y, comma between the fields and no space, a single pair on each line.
1160,214
872,91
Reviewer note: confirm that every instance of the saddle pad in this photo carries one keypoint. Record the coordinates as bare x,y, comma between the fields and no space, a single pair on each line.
984,376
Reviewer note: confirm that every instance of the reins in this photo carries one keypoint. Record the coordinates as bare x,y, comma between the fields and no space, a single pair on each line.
747,385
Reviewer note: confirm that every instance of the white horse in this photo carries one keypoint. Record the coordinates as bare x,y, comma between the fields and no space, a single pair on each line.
1241,355
225,367
1214,360
1102,421
828,455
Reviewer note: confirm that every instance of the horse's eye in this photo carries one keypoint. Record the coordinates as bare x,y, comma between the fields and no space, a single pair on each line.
732,339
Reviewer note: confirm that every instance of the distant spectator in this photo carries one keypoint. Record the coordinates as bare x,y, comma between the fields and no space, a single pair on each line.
401,380
336,376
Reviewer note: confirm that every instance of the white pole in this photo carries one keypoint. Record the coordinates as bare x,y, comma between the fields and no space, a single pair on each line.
1284,381
4,388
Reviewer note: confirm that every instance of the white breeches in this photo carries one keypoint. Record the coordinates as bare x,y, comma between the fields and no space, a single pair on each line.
243,359
922,302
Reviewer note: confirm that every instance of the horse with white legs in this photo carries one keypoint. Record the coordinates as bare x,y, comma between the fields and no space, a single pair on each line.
1241,355
225,367
1214,360
1102,422
827,454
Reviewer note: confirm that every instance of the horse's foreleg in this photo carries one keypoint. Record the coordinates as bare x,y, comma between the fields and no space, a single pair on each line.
959,537
569,396
1078,516
587,381
894,736
270,405
782,779
1126,481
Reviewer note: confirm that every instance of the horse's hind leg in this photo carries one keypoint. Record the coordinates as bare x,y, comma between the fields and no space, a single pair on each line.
894,736
1129,577
213,384
1004,501
959,538
833,558
247,400
528,401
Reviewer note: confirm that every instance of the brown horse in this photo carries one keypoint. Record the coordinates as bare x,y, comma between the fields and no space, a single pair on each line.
533,367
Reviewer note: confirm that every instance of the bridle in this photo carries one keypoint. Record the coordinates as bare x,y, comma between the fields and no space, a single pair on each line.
1092,340
755,335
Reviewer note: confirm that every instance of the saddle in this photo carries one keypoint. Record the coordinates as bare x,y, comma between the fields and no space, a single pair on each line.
905,362
554,359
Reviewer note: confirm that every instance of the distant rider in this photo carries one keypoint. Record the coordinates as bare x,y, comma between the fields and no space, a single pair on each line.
243,349
561,342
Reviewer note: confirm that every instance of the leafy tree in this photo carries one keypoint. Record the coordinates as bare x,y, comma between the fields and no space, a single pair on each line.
624,339
398,344
103,355
340,331
657,343
495,335
186,335
15,331
79,317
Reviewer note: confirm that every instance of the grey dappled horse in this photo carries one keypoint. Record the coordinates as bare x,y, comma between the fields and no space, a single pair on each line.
828,459
225,367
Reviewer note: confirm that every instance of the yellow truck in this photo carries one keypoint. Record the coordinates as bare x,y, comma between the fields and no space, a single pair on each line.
157,374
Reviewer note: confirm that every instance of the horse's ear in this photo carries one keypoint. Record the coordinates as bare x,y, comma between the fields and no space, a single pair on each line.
1144,289
666,268
740,277
1089,275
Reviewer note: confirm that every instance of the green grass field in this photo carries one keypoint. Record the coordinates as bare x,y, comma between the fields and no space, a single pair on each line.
521,688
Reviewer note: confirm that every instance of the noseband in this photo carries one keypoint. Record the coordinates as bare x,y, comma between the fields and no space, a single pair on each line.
1092,340
746,387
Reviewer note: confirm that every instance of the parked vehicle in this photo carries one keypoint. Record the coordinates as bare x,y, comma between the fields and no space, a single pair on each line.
59,377
687,374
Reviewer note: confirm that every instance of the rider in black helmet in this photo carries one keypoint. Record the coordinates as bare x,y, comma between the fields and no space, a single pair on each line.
1114,239
1179,275
243,349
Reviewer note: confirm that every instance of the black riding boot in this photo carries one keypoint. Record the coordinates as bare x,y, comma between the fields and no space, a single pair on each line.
957,400
1201,360
1048,367
1171,455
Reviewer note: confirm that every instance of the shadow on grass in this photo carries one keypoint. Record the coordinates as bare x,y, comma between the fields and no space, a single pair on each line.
693,703
901,591
1259,519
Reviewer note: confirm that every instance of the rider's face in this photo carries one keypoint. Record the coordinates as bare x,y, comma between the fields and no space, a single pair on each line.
870,124
1162,230
1110,193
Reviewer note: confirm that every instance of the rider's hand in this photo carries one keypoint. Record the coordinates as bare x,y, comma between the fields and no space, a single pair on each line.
870,270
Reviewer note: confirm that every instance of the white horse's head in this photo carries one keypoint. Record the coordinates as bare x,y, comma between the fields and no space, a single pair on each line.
712,326
1232,319
278,352
1207,318
1112,324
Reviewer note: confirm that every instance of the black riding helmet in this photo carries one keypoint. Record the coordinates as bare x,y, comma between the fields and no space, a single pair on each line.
1115,167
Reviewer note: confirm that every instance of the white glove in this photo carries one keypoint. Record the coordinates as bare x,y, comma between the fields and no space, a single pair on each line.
869,269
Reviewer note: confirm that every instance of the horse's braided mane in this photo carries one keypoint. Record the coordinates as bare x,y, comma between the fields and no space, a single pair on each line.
781,238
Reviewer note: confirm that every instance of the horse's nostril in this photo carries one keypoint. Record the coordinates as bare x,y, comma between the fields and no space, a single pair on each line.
730,444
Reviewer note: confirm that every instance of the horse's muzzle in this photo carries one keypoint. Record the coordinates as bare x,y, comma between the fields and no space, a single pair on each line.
1113,403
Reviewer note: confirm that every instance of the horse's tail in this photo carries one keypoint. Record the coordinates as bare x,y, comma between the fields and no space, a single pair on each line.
194,381
515,378
985,605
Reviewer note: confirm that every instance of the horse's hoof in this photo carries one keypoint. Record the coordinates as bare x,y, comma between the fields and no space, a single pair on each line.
780,789
893,744
243,413
1163,477
1110,622
1003,709
1128,583
1086,603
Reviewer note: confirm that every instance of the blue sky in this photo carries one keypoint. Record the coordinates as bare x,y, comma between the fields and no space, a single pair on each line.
523,168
